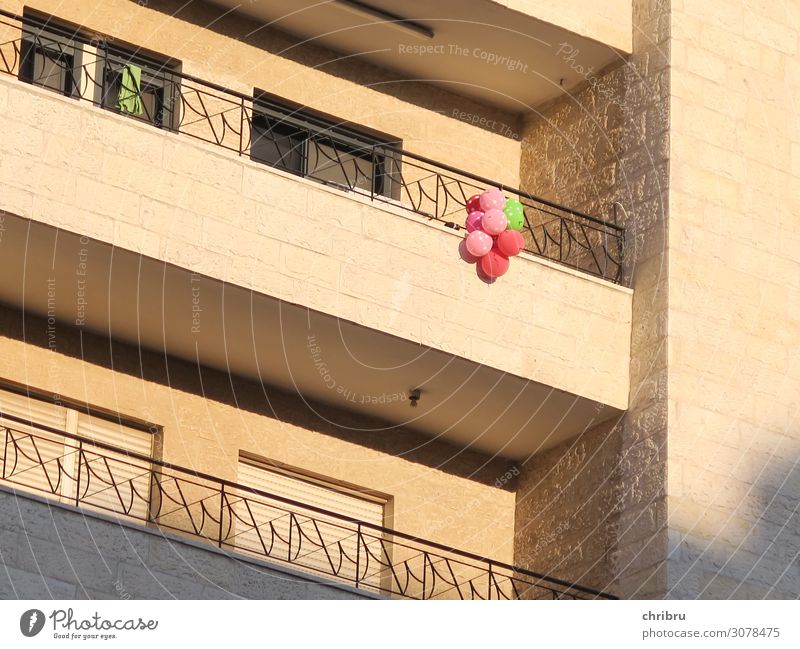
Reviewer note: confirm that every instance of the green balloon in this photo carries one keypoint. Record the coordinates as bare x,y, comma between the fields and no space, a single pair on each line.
513,205
515,214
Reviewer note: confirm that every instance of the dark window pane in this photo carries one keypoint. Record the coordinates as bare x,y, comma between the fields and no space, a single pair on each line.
111,85
277,144
387,175
152,93
331,162
51,70
151,103
48,61
307,144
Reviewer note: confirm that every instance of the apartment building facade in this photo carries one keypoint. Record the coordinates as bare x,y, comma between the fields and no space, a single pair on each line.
243,354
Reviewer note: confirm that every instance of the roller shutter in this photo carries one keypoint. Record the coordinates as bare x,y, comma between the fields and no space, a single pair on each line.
36,463
319,543
110,481
47,463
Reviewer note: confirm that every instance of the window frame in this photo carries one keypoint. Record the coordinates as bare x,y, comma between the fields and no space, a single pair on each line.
161,72
60,35
71,41
77,416
343,137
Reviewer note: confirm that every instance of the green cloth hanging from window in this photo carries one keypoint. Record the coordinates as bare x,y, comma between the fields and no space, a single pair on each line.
130,99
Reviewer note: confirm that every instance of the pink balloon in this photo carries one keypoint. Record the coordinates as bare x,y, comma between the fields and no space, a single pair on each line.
474,204
492,199
474,221
478,243
494,221
507,244
465,254
493,264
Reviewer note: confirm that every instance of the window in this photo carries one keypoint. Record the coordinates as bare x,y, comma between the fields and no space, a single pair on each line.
298,140
72,471
136,85
314,541
50,56
119,78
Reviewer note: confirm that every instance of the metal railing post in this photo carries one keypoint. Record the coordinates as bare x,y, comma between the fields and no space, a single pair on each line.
242,122
373,179
5,451
291,523
221,511
78,478
358,553
103,75
424,573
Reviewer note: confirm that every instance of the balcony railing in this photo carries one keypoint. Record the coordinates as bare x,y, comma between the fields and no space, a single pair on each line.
77,67
100,477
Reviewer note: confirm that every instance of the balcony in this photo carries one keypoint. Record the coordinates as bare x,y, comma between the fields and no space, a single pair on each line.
212,114
166,203
111,481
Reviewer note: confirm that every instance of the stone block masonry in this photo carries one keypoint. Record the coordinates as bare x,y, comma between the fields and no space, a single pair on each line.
595,508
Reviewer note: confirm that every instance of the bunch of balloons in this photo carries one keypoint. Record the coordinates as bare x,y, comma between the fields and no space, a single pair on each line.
493,232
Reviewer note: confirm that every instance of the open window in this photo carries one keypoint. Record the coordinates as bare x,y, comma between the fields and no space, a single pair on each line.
50,55
138,85
299,140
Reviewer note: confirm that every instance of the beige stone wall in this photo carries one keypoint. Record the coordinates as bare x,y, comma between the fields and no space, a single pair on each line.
568,509
714,144
440,492
241,55
715,330
596,507
734,297
203,209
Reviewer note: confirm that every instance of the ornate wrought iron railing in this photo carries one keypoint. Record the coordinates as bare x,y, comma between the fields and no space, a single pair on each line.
69,62
101,477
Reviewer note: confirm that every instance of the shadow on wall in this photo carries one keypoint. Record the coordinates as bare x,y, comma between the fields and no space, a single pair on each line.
591,512
572,505
735,529
327,61
243,394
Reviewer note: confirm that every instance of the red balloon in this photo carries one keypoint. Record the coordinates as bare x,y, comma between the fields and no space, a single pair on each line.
520,239
508,244
493,264
474,204
483,276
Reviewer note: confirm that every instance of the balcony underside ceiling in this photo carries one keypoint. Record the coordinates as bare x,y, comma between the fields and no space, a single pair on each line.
146,302
482,50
